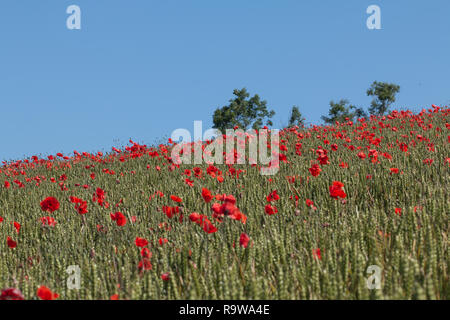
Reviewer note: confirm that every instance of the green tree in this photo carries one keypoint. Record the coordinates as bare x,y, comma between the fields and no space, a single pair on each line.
339,111
360,113
384,95
296,118
243,112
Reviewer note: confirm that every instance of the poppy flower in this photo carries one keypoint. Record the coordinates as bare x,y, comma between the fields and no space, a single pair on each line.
17,226
50,204
11,243
315,170
310,204
208,227
11,294
144,264
317,254
273,196
48,221
176,199
228,208
141,242
270,210
398,211
114,297
99,197
145,253
194,217
170,211
119,218
80,205
394,170
343,165
206,194
226,198
165,276
45,293
189,182
243,240
336,190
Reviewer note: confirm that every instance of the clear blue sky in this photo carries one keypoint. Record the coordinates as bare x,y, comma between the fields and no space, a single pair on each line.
142,68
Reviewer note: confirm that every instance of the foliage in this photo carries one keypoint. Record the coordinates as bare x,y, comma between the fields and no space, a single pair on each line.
243,112
339,111
384,95
295,118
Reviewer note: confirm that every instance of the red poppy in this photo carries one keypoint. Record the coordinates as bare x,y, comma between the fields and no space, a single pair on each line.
7,184
50,204
80,205
316,254
176,199
145,253
165,276
228,208
17,226
208,227
194,217
114,297
162,241
45,293
48,221
226,198
394,170
206,194
144,264
170,211
398,211
203,221
243,240
336,190
315,170
270,210
141,242
11,243
99,197
119,218
11,294
273,196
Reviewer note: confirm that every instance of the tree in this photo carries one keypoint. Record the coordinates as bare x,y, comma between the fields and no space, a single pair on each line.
296,117
360,113
243,112
384,95
339,111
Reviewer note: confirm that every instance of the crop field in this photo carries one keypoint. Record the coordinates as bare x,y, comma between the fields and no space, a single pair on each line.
357,210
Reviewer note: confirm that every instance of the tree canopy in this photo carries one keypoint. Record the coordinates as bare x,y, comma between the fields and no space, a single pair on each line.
244,112
384,95
339,111
295,118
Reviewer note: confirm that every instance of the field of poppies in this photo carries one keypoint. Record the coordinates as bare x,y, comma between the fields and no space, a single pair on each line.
136,225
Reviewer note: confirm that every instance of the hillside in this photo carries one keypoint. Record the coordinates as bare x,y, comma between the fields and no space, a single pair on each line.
139,226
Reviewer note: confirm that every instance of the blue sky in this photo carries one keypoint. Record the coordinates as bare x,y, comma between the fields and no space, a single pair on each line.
140,69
